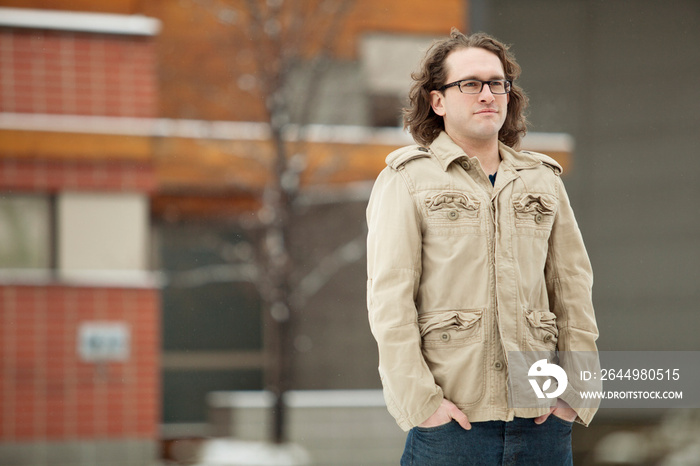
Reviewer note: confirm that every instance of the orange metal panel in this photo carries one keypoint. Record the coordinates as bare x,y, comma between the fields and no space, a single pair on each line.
103,6
73,146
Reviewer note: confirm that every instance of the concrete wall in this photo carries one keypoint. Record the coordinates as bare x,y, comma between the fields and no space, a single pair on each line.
621,77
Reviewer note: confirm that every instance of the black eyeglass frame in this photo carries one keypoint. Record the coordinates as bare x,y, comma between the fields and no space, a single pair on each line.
508,86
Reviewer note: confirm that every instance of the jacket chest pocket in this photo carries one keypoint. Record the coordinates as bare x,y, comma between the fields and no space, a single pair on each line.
534,213
450,328
452,213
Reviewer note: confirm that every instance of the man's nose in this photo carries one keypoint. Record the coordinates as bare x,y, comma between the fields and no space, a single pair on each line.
486,95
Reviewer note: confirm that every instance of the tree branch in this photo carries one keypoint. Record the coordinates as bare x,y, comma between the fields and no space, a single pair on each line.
348,253
221,273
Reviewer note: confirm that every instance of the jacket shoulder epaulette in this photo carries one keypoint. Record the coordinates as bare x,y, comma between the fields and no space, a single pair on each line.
546,160
405,154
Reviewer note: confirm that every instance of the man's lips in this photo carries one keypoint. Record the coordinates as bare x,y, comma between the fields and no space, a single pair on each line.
486,110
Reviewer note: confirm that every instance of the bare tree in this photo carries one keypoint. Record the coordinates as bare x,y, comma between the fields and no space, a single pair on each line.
283,35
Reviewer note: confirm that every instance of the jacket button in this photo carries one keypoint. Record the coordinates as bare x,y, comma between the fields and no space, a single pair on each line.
465,164
453,215
498,365
538,217
549,337
445,337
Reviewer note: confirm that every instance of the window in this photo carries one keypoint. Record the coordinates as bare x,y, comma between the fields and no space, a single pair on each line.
25,231
78,236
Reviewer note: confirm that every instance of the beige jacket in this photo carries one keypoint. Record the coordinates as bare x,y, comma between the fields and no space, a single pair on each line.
460,273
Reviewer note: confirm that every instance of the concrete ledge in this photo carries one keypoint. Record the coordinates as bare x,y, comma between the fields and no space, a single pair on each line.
299,399
336,427
123,452
106,23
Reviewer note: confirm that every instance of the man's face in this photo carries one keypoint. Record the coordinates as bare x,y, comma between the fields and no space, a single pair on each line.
471,117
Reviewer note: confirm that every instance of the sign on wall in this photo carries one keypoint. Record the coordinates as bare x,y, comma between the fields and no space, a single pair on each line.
103,341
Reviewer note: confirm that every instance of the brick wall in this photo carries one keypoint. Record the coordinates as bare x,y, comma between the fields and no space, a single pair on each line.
63,72
77,73
48,394
48,175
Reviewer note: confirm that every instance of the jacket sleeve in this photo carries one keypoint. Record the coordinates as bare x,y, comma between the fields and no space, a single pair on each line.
394,245
569,279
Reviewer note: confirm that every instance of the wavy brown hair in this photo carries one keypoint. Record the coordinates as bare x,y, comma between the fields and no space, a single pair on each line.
420,119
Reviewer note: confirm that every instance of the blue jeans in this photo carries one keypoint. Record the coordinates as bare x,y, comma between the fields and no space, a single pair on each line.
518,442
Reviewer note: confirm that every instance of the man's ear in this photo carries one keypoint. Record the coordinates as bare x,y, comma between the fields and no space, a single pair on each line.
437,102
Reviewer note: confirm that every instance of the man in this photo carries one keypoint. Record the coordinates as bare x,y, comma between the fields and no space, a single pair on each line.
473,252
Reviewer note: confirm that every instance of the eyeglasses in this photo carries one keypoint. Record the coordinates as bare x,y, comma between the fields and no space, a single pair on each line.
475,86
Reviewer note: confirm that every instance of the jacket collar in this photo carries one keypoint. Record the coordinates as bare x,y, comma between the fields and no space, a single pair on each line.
446,151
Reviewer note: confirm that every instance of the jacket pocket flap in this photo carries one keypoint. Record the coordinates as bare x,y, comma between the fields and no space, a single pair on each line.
451,200
542,319
531,203
458,320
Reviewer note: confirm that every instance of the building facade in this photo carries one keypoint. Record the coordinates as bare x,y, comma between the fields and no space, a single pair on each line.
79,309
